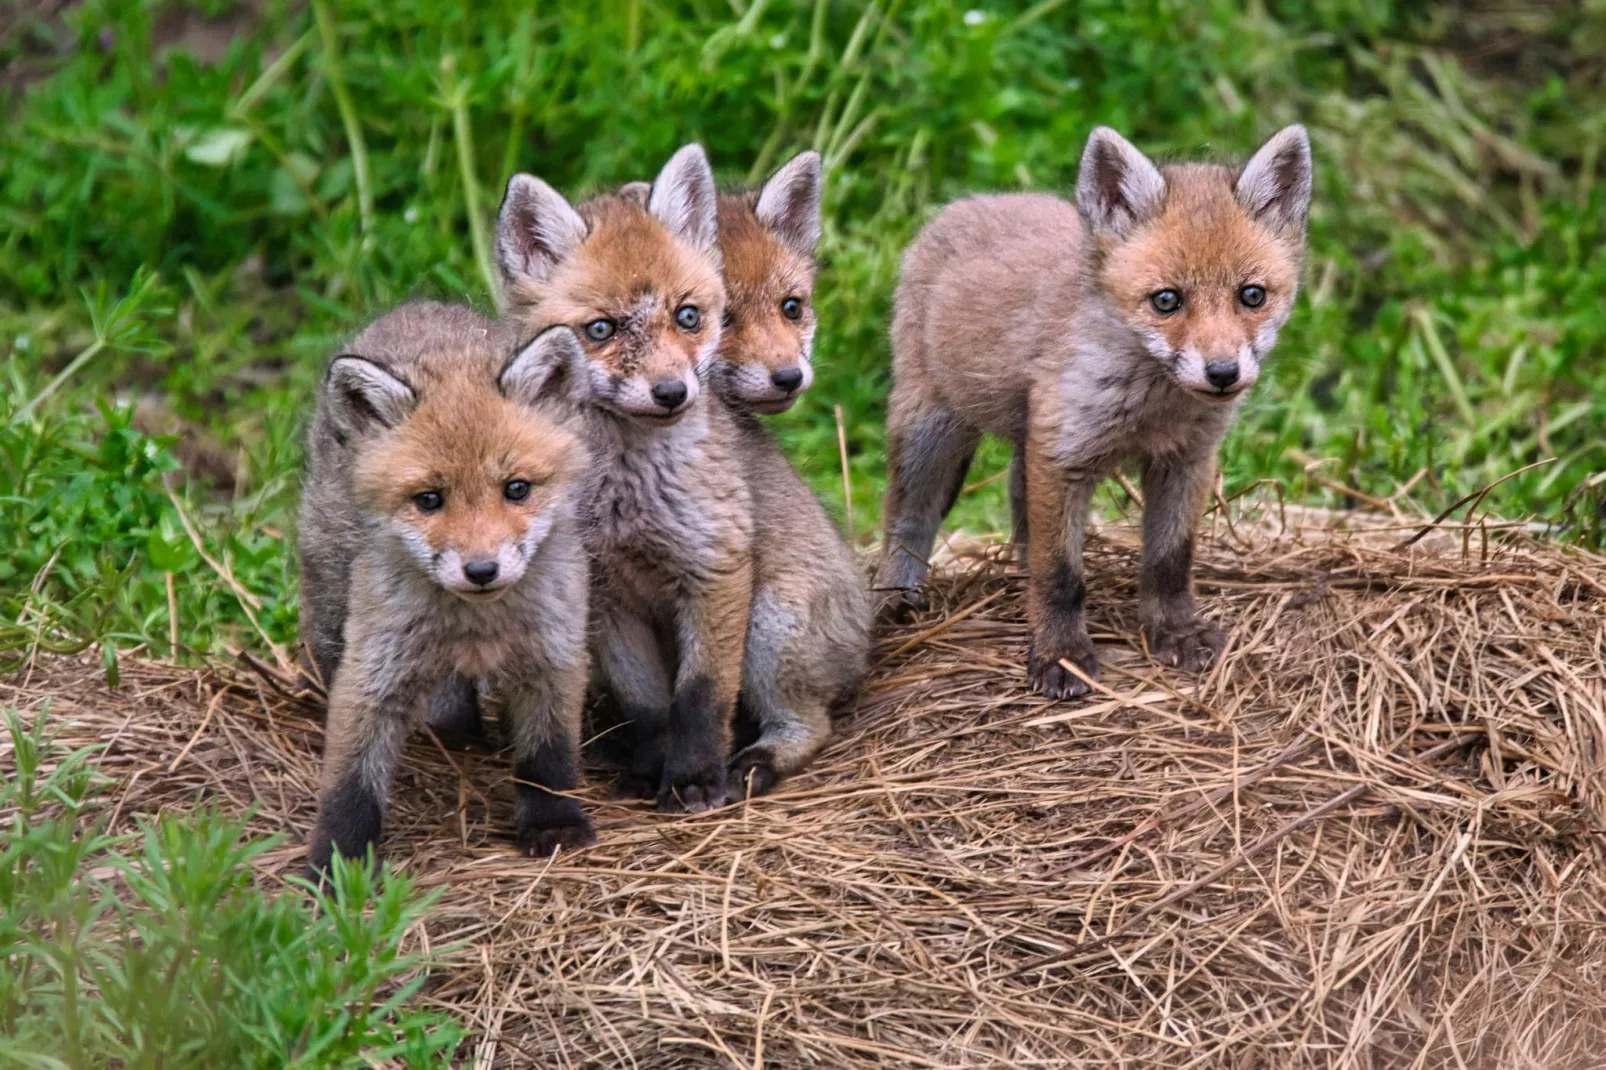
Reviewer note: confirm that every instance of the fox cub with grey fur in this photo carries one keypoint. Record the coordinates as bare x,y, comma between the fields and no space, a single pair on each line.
1127,326
808,637
439,535
666,512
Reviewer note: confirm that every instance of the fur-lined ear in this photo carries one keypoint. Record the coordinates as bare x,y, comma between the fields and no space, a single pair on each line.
636,191
547,368
1117,187
535,230
363,396
789,203
1275,184
682,199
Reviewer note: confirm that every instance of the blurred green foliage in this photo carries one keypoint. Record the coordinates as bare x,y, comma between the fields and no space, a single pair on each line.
198,199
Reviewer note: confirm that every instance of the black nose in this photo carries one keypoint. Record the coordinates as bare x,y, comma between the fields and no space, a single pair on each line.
787,379
1222,373
669,392
480,572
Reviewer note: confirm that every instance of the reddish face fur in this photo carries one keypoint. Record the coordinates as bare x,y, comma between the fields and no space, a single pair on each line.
631,273
761,274
466,443
1205,246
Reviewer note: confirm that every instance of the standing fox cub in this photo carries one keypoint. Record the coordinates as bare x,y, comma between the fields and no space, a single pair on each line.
1127,326
438,535
667,516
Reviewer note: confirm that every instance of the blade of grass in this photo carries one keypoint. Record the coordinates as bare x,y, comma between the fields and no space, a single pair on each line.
1441,357
456,92
269,77
847,478
348,114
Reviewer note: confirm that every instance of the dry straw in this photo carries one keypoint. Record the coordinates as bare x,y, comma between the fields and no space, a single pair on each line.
1372,837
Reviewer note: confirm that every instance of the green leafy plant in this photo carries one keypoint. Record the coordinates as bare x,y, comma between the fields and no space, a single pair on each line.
158,949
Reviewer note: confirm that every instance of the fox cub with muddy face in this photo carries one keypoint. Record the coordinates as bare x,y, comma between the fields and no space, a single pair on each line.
1125,327
439,535
666,512
808,638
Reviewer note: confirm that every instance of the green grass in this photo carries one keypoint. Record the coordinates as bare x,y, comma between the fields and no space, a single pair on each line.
205,233
157,950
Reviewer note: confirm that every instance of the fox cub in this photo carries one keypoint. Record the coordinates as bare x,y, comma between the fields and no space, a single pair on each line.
439,535
808,637
1125,327
666,512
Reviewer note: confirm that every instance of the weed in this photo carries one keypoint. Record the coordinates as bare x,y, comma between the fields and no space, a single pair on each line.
156,949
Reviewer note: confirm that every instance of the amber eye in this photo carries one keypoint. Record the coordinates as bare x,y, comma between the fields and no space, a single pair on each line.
792,308
1252,296
429,501
1166,302
516,490
600,330
688,317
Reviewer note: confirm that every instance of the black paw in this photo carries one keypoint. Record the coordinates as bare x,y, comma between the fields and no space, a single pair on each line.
691,791
539,839
752,773
1188,643
635,784
350,819
899,604
644,767
1055,680
320,857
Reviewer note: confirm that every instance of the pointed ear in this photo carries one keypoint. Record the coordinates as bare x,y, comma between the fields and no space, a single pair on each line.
548,367
682,199
364,396
789,203
1117,187
1275,184
636,191
535,230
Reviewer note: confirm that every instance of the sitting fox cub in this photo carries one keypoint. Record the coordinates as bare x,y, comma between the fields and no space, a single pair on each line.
808,633
808,639
667,516
1125,327
438,536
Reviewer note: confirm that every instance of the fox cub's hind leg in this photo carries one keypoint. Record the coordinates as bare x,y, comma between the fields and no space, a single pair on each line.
791,727
789,736
1019,530
928,453
323,620
1174,494
631,667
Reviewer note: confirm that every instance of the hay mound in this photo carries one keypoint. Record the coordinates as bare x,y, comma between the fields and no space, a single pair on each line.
1371,837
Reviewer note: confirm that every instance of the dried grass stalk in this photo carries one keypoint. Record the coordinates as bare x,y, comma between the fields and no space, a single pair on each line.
1372,837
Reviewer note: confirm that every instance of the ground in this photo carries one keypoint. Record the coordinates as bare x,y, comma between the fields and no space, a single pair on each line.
1370,838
